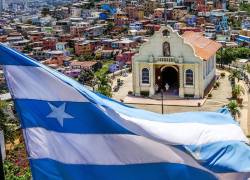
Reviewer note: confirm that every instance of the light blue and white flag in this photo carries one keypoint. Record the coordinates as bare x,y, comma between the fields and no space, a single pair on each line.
72,133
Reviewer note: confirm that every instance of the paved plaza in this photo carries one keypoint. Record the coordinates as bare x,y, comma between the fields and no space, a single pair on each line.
220,97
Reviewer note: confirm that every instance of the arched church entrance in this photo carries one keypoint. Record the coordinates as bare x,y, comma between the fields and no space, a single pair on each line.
170,79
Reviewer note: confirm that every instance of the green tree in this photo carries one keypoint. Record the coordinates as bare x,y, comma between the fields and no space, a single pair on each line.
245,7
234,74
104,86
234,109
85,58
231,54
27,48
86,76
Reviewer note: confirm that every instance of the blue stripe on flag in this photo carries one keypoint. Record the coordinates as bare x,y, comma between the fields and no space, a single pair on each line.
41,168
223,156
87,118
12,57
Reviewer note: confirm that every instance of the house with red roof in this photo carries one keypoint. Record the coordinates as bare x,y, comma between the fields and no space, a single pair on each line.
85,65
125,57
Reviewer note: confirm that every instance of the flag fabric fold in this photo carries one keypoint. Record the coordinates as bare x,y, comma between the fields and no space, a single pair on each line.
73,133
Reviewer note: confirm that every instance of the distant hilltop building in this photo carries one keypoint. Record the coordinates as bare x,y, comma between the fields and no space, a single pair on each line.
180,66
2,5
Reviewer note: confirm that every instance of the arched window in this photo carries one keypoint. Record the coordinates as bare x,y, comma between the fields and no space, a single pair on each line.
189,77
145,76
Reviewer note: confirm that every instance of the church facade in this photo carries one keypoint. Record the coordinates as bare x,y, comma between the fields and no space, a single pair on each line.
182,66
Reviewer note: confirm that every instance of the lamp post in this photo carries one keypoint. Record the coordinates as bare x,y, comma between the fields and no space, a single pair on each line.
162,91
162,101
1,165
221,57
2,155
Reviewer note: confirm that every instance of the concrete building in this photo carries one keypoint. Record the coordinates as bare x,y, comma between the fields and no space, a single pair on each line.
181,66
135,12
149,7
83,49
1,6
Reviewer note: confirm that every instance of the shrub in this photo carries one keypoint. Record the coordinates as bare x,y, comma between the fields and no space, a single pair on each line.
130,92
145,93
16,165
222,74
237,91
188,95
209,95
234,108
217,83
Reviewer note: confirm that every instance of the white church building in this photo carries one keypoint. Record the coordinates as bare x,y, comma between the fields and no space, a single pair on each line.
182,66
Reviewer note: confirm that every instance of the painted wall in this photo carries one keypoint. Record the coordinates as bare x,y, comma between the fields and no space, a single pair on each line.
186,59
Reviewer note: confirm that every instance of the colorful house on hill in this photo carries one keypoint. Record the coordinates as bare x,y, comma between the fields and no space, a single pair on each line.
83,48
56,59
63,46
136,26
49,43
135,12
159,13
181,66
85,65
126,43
121,19
125,57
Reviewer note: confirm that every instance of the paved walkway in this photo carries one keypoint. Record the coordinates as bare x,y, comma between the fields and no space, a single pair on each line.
248,116
244,118
124,89
149,101
220,96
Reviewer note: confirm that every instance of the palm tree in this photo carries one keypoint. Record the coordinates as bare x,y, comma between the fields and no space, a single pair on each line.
104,86
237,91
235,74
234,108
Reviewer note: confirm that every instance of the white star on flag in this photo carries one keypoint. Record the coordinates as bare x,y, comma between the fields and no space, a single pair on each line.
59,113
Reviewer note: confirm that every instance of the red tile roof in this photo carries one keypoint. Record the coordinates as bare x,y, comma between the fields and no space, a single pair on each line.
203,47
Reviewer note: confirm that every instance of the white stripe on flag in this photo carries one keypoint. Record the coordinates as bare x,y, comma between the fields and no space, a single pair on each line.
181,133
107,149
101,149
28,82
